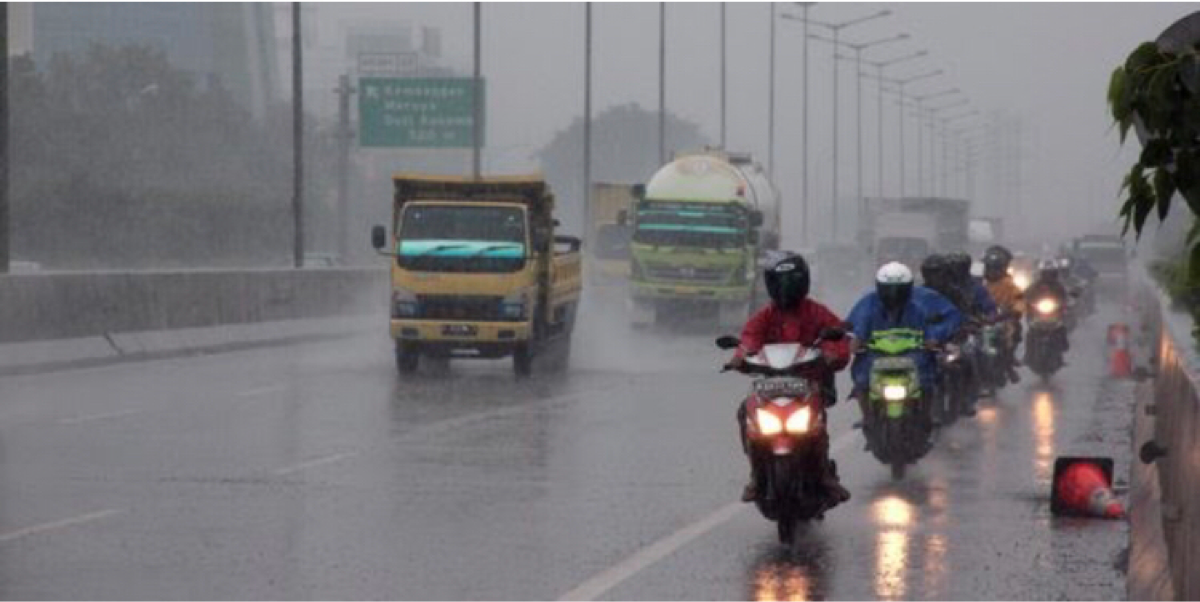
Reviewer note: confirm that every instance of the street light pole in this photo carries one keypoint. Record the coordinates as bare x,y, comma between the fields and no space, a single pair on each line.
297,141
587,112
920,100
835,29
662,83
804,130
723,53
900,104
879,67
930,115
477,125
771,99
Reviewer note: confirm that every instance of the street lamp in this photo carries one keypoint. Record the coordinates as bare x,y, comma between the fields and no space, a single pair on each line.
836,30
879,68
920,102
804,118
858,50
945,137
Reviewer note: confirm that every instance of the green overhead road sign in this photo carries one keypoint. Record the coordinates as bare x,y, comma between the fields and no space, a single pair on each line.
417,112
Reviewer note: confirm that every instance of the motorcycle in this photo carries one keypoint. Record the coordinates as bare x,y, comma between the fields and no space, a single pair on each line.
993,349
785,430
953,396
898,423
1046,340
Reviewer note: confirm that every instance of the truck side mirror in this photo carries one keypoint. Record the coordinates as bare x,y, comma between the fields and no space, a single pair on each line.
378,237
752,237
638,191
623,217
756,219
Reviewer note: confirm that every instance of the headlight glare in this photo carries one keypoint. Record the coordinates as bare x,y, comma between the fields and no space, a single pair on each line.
799,421
768,423
1046,306
895,392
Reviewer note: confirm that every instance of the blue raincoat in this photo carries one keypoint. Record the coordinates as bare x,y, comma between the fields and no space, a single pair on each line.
981,299
927,311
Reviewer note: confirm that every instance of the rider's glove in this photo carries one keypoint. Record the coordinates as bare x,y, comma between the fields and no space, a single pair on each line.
735,363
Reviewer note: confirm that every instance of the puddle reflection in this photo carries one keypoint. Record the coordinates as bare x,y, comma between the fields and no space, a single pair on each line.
800,574
1043,435
894,515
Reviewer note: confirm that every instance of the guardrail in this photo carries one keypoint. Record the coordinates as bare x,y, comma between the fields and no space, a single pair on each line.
1175,407
38,307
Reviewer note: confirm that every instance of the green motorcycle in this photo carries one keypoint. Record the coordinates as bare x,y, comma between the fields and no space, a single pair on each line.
897,423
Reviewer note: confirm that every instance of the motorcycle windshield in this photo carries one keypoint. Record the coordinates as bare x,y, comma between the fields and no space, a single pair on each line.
896,341
781,355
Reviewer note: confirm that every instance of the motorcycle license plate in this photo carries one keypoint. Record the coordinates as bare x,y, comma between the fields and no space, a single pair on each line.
772,388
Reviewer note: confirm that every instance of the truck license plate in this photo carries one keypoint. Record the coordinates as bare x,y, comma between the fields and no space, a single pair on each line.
459,330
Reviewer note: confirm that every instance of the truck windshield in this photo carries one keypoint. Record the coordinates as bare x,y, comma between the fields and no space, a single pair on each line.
690,225
903,249
461,238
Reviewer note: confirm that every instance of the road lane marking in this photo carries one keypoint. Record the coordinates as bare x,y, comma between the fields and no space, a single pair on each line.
314,463
633,564
58,524
261,391
94,417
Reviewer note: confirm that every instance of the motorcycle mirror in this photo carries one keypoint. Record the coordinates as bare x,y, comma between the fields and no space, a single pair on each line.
728,342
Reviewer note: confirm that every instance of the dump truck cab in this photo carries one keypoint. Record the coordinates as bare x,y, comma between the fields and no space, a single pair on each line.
477,271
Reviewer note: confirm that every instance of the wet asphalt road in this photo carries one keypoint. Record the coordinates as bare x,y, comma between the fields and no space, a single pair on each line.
313,471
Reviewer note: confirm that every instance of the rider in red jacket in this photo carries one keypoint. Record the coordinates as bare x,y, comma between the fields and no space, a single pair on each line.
792,317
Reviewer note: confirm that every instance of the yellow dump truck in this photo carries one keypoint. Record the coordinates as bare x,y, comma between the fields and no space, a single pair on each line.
478,271
607,252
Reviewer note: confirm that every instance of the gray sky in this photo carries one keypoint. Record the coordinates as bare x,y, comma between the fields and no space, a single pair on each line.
1047,64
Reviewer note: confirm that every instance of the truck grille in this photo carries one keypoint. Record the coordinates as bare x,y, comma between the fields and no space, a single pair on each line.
688,274
459,307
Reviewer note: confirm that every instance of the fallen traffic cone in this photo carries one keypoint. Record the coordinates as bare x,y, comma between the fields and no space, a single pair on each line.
1120,363
1083,487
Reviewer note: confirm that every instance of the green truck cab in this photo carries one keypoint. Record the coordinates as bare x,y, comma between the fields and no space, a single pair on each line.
477,271
699,227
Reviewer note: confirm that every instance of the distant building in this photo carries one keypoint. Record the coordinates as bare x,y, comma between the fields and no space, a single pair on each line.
233,43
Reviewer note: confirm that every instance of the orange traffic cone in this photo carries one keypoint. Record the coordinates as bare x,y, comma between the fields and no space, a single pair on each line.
1120,363
1083,487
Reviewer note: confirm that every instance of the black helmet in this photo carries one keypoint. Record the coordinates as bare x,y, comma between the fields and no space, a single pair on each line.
935,271
1048,270
960,266
1001,249
995,263
787,281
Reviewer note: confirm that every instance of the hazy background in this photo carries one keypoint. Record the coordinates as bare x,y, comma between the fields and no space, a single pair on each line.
1036,74
1046,64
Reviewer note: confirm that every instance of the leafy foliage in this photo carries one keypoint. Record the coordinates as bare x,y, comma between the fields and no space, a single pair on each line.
120,160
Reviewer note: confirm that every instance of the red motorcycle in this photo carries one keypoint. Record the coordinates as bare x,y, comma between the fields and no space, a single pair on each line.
784,431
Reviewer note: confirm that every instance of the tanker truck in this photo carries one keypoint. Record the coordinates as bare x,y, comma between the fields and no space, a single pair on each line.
698,228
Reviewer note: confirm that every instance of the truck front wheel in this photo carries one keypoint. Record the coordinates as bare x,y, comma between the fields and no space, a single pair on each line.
407,358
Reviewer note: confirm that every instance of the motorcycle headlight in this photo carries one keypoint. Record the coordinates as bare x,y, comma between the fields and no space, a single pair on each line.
768,423
404,303
799,421
895,392
1021,279
1046,306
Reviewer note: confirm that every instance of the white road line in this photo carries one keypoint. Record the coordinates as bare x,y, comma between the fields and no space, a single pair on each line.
314,463
600,583
261,391
94,417
58,524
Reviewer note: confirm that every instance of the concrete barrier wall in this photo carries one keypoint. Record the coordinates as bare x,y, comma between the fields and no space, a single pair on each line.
1175,406
38,307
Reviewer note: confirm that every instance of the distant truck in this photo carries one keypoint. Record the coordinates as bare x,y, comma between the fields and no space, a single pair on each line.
478,271
607,248
910,228
699,227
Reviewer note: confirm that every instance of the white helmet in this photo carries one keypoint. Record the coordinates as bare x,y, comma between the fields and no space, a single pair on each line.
894,284
894,273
